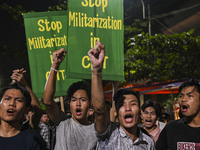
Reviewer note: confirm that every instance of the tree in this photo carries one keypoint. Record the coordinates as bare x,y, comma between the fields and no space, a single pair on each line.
62,5
162,58
137,27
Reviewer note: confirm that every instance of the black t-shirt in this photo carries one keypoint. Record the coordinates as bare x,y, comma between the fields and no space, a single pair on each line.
179,136
25,140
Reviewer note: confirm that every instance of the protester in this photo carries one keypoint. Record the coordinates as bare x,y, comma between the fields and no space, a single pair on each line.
184,134
164,117
150,114
76,132
122,135
35,108
15,101
44,128
176,111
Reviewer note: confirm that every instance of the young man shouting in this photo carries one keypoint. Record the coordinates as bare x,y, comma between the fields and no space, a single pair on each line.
150,114
76,132
184,134
122,135
15,101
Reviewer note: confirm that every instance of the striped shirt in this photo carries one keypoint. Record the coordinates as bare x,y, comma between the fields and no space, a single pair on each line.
116,139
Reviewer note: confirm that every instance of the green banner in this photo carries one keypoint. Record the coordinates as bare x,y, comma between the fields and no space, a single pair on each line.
76,30
89,21
46,32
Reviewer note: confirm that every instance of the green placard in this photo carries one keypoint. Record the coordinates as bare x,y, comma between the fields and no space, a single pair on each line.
76,30
46,32
89,21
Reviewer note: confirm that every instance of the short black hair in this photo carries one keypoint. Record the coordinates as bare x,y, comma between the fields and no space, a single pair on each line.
44,112
78,86
155,105
20,87
190,82
119,97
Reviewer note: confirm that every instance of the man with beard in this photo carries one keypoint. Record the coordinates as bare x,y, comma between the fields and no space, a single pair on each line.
76,132
122,135
184,134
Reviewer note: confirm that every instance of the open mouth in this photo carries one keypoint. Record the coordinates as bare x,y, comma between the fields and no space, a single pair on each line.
184,107
78,112
128,118
148,121
10,112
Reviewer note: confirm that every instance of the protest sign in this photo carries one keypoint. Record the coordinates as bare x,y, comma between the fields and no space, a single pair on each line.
46,32
76,30
89,21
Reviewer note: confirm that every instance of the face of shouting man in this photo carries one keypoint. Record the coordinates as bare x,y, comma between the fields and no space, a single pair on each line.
12,106
149,118
189,101
129,111
79,106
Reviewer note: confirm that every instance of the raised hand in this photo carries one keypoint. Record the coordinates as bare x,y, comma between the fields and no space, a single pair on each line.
18,76
96,55
58,56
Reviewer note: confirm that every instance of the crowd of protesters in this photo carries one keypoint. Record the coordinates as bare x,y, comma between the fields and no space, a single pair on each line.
95,123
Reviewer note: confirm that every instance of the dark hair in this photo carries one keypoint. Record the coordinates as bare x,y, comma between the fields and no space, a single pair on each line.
44,112
190,82
78,86
20,87
155,105
119,97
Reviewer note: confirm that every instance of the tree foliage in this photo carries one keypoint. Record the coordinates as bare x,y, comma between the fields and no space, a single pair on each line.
137,27
163,57
62,5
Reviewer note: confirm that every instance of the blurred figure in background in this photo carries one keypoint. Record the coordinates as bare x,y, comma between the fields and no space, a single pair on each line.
44,128
150,114
164,117
176,111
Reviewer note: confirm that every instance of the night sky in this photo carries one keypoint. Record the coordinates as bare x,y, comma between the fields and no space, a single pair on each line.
11,31
13,34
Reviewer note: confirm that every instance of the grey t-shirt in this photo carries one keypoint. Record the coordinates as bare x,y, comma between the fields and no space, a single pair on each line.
116,139
53,127
71,135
